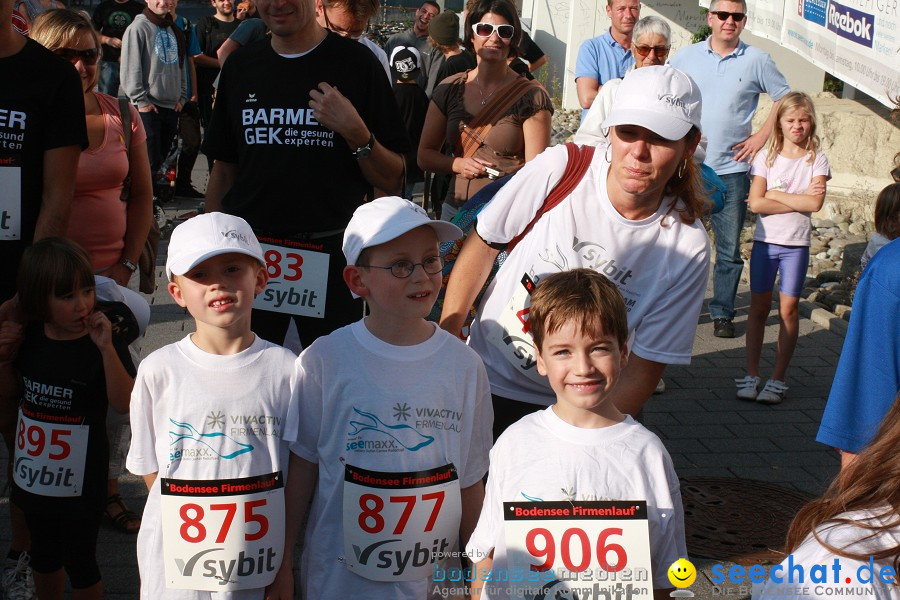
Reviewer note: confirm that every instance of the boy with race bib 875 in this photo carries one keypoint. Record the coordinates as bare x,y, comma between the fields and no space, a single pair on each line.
390,419
207,417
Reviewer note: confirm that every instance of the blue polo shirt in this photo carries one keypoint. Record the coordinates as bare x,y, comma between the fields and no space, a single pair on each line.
602,58
730,86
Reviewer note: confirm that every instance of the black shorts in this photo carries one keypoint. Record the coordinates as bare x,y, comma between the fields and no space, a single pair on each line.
69,544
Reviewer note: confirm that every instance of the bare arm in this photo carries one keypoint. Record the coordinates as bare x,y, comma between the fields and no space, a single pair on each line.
383,168
193,69
301,481
430,157
746,150
468,275
119,382
759,203
11,387
60,165
482,568
206,61
221,180
587,89
472,498
636,384
149,480
227,47
809,201
537,64
536,130
138,215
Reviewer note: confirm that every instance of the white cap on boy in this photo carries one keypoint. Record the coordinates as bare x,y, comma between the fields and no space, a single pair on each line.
208,235
659,98
385,219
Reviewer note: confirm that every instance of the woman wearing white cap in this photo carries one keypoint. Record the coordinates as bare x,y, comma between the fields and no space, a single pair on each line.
633,217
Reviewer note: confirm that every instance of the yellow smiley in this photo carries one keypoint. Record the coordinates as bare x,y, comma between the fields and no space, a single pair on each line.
682,573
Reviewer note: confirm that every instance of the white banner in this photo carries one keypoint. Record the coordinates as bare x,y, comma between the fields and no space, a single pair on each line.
855,40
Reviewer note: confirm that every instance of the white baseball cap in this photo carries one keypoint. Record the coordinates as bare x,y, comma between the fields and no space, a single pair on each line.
659,98
208,235
385,219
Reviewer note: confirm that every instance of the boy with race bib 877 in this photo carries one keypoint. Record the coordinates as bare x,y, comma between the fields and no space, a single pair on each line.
390,422
207,417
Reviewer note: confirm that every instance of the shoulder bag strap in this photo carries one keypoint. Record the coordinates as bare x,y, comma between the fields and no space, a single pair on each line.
482,123
125,115
579,161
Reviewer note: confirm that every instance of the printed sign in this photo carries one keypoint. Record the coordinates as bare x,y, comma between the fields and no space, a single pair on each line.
222,535
585,548
10,201
397,524
298,280
50,455
512,334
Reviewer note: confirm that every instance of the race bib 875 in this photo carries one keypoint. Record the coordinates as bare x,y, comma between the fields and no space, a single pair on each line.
590,549
222,535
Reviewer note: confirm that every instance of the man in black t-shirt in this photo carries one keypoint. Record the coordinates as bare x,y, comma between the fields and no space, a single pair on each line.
304,127
111,17
42,133
212,31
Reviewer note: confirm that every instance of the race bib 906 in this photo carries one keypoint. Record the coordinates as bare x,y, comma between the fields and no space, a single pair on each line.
590,549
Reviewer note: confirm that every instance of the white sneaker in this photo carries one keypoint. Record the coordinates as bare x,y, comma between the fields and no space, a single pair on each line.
660,387
773,393
17,580
747,386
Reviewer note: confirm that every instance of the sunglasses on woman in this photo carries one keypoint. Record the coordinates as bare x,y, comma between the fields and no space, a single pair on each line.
486,30
88,57
723,15
661,51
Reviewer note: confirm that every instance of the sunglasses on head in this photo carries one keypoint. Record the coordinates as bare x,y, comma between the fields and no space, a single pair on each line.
723,15
88,57
643,51
486,30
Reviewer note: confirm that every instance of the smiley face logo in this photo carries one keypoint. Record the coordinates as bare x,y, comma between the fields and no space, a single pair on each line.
682,573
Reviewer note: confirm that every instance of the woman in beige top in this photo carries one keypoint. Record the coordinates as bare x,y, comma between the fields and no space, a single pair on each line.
520,133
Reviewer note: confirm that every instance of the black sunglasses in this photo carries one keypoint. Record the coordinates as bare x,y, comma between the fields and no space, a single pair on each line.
486,30
723,15
88,57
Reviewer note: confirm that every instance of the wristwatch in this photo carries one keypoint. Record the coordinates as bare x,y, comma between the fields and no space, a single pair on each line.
364,151
128,265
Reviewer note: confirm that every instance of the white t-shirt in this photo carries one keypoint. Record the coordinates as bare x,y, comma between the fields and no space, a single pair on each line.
543,457
359,401
591,129
193,417
791,175
845,537
659,264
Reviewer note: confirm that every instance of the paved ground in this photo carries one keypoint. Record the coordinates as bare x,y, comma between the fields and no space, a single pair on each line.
707,431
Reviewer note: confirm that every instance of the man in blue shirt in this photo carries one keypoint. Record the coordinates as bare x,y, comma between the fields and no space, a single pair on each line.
607,56
731,75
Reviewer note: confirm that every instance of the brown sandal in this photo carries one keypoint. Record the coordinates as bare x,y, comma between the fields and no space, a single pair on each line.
125,520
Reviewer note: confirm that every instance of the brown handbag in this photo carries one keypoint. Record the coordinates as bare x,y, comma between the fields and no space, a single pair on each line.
147,260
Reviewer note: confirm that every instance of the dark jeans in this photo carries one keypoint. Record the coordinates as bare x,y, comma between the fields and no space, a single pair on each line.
109,78
727,225
189,130
161,127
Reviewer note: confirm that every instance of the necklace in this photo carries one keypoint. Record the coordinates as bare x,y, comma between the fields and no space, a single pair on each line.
484,100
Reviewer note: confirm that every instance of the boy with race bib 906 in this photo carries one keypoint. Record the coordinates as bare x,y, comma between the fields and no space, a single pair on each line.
578,457
207,417
391,417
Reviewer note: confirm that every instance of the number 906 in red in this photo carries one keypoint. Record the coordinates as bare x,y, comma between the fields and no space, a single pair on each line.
541,544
